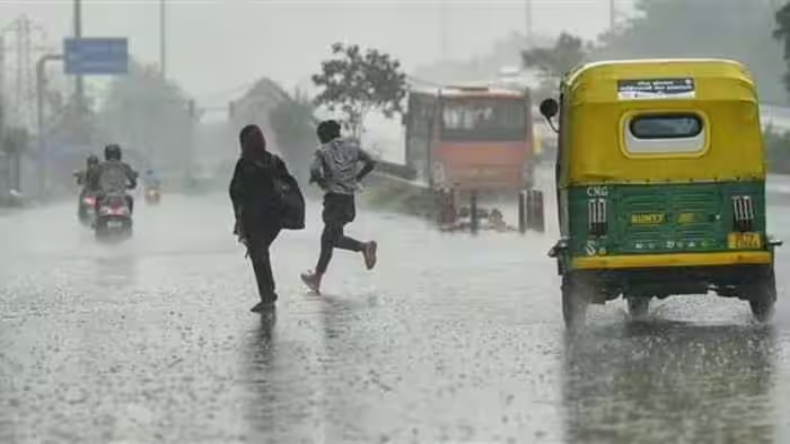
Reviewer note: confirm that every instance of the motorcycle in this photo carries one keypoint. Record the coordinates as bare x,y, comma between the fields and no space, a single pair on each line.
114,217
153,195
87,209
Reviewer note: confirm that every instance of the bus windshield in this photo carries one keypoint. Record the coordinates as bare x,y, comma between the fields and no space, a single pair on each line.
483,119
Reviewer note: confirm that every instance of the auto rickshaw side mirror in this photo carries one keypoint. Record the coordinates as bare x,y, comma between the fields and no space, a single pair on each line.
549,108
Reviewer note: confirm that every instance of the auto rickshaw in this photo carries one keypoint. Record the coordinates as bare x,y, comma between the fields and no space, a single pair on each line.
660,179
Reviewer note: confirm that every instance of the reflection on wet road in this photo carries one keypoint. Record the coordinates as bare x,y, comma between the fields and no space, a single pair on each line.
453,338
666,381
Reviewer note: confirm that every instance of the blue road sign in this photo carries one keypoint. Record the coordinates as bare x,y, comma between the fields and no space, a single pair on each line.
96,55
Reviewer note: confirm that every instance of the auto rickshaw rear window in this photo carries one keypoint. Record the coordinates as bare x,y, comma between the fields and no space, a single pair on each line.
666,126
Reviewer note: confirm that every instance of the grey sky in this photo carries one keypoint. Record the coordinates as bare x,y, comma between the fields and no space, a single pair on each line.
216,45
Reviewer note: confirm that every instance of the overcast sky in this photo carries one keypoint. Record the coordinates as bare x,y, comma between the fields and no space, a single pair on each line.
215,46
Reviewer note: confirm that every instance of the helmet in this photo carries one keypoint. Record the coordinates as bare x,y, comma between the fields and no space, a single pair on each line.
112,152
93,160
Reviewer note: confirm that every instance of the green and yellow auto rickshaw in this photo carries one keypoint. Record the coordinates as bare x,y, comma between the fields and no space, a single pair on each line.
660,179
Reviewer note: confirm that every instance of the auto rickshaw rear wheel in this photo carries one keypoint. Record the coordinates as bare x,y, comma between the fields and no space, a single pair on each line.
762,295
576,297
638,307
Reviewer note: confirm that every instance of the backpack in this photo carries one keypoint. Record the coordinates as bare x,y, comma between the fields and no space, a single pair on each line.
290,201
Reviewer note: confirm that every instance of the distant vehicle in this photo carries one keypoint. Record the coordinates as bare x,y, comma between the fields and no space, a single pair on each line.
466,140
660,179
153,195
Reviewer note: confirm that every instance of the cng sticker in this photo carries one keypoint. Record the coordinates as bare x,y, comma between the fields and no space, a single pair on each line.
597,191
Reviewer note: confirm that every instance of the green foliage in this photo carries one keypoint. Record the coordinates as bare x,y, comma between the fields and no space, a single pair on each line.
735,29
777,146
568,52
782,33
356,82
551,63
293,124
15,140
293,121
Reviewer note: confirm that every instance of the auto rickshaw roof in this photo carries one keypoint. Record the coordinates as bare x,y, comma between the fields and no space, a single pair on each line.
604,95
722,71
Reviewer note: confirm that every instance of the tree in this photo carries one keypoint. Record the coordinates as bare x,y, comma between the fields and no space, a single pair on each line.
567,52
782,33
293,124
734,29
15,140
357,83
552,63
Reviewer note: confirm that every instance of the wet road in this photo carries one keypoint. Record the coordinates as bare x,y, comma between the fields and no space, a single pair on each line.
453,338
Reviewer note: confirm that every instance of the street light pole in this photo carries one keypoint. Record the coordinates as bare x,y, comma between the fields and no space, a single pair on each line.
443,30
612,15
528,17
80,85
163,38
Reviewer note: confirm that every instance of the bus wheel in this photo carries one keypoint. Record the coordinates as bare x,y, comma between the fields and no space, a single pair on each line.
762,296
638,307
575,300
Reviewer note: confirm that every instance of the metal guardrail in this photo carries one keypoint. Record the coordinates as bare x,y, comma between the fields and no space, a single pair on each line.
397,170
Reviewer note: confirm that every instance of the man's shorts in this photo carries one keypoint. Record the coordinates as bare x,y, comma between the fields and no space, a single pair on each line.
339,209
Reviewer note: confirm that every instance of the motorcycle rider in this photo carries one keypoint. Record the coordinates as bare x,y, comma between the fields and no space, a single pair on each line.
88,180
87,177
115,176
150,180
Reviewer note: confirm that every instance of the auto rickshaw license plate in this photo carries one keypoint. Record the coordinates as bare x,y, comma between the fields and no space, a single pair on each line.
737,241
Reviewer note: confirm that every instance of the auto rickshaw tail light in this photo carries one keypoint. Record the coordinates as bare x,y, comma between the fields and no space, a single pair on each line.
596,216
743,213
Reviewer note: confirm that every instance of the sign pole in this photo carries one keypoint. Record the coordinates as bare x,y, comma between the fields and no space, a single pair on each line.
80,84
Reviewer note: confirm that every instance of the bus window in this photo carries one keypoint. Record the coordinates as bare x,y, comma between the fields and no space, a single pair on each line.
484,119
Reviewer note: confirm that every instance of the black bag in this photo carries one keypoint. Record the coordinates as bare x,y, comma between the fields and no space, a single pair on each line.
290,201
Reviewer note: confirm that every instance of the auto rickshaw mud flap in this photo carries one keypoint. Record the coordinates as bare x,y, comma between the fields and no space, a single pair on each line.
559,252
761,294
638,307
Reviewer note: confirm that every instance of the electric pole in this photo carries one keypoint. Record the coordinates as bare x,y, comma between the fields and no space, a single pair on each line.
80,85
19,37
443,30
528,16
612,15
2,90
163,38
